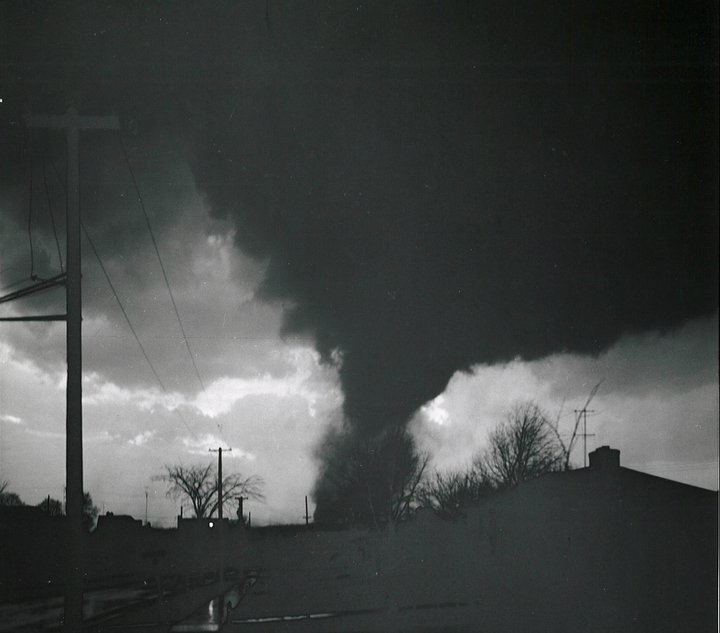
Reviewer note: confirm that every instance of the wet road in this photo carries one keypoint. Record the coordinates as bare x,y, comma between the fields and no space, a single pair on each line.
45,614
211,616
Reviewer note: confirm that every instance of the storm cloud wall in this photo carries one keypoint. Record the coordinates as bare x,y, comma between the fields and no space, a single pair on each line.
433,185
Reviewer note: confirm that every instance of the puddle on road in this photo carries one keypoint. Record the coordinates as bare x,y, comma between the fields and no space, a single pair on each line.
212,616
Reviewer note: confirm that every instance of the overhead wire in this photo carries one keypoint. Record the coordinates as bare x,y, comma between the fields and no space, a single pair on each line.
122,309
30,204
130,325
50,212
13,284
141,204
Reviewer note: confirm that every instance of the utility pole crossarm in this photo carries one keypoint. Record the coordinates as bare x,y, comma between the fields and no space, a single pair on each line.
38,286
36,317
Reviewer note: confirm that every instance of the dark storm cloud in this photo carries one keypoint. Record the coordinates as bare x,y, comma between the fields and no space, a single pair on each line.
439,187
432,185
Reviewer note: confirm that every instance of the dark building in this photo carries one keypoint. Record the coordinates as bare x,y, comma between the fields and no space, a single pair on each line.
598,549
32,547
602,548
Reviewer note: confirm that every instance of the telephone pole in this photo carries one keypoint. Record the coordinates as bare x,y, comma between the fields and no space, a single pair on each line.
221,526
71,122
583,412
307,515
219,451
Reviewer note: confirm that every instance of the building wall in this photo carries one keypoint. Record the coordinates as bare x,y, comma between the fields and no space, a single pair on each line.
598,549
590,550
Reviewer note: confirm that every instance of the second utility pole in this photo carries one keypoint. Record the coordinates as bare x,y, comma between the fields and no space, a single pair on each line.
219,451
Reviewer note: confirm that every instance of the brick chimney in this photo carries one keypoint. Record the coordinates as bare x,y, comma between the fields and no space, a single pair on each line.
605,458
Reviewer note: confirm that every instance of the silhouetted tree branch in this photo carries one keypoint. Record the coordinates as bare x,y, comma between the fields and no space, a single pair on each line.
522,447
89,512
198,484
9,498
448,494
51,507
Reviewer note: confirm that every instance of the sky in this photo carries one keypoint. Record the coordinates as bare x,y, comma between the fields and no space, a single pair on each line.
369,214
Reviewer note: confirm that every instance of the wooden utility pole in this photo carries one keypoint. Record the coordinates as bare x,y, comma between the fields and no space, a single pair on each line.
72,123
221,526
219,451
307,515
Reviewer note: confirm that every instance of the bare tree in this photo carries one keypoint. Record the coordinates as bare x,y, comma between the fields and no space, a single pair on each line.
51,507
522,447
89,512
405,470
199,485
9,498
55,508
526,445
448,494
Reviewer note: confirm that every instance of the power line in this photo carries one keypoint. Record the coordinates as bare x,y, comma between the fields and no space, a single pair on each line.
193,338
130,325
686,469
50,212
39,285
14,283
122,308
30,203
141,204
157,252
680,466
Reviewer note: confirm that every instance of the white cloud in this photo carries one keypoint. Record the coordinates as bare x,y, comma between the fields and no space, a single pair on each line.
658,402
102,436
53,435
141,438
220,397
267,397
435,412
11,361
98,391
